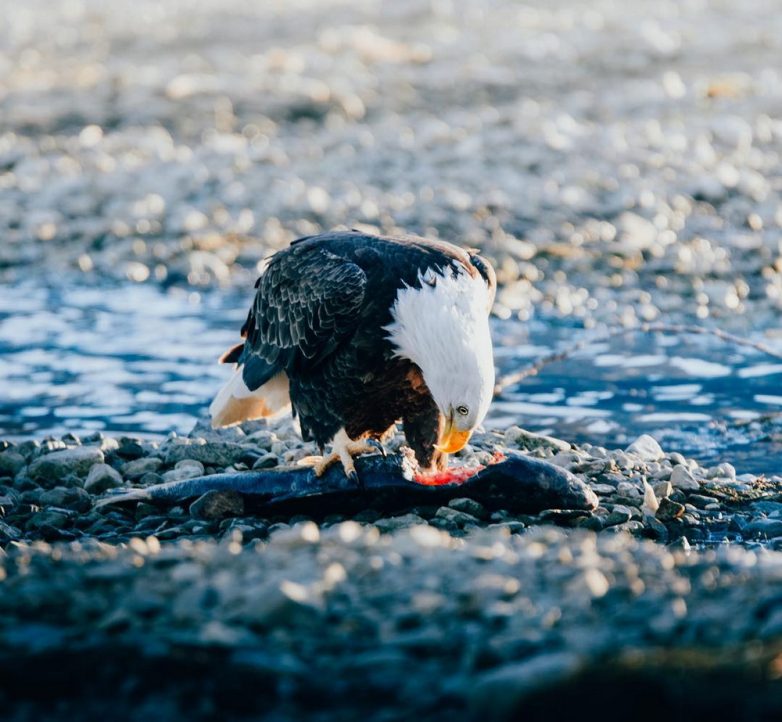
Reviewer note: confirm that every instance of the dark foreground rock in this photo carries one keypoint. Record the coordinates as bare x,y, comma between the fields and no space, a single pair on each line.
345,622
360,609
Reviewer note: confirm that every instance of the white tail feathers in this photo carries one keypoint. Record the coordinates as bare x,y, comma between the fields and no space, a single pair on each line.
236,403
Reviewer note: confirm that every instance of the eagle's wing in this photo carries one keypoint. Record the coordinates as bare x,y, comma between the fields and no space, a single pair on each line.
308,301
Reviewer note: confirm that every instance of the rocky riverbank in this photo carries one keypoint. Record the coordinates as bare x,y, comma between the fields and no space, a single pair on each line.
427,611
616,162
48,489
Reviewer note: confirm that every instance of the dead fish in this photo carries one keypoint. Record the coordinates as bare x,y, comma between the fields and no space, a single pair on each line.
512,481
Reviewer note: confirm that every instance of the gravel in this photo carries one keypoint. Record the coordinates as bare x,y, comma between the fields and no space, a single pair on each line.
616,162
428,610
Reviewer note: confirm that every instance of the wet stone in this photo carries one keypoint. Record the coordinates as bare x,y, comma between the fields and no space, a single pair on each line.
389,524
102,477
137,468
150,478
215,453
620,514
764,528
55,518
66,464
130,448
74,498
647,448
669,510
185,469
593,522
699,501
11,462
682,478
455,517
469,506
663,489
267,461
565,517
8,532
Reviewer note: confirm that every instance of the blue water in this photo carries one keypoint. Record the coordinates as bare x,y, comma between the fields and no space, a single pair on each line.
140,359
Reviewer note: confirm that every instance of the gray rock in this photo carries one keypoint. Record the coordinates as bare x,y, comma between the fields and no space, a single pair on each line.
267,461
11,462
769,508
185,469
603,489
647,448
398,522
764,528
499,694
215,505
130,448
669,510
528,441
8,532
663,489
699,501
55,518
620,514
209,453
74,498
134,470
682,478
279,602
455,517
469,506
49,469
102,477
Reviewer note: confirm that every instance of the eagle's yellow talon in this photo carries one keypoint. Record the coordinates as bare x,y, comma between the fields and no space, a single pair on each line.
343,450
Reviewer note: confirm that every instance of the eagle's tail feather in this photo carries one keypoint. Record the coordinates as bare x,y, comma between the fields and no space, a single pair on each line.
236,402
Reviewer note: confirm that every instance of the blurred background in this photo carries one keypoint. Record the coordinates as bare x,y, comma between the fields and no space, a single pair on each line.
619,162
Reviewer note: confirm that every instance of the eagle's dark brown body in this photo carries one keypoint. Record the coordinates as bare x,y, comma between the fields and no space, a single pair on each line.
319,316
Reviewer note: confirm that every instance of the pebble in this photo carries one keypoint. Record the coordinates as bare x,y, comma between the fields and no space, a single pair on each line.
499,693
11,462
764,528
469,506
647,448
74,498
669,510
137,468
267,461
185,469
215,453
455,517
102,477
682,478
663,489
389,524
618,515
58,465
48,518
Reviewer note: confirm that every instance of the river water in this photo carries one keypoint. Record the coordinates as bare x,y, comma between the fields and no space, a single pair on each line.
140,359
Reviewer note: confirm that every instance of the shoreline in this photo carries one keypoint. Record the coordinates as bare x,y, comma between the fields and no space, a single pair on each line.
435,611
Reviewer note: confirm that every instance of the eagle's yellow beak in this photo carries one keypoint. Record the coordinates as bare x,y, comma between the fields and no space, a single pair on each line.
451,439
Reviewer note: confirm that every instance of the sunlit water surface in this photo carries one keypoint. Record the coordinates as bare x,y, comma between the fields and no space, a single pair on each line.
139,359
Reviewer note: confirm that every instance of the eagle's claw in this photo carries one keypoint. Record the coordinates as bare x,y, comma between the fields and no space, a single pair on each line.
355,479
343,450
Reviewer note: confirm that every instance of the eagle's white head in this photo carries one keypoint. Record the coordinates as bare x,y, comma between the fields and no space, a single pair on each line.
443,327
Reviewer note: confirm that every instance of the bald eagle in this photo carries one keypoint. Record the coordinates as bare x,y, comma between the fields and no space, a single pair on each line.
356,332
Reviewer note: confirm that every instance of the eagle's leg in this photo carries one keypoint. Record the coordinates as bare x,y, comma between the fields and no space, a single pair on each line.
343,449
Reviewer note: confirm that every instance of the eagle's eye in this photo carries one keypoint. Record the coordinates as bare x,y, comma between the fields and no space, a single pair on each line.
462,410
